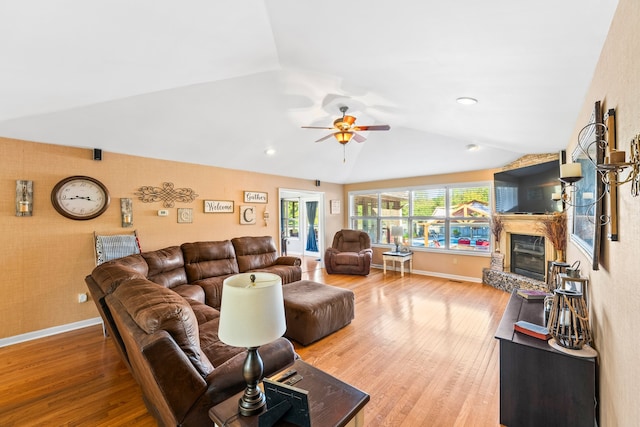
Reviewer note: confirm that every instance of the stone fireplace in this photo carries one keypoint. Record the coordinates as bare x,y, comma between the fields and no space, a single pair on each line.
533,252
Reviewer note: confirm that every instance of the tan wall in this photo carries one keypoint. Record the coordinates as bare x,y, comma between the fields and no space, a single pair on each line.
44,258
614,290
445,264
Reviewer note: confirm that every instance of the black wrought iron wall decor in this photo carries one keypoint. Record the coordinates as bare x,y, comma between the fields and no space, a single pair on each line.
166,194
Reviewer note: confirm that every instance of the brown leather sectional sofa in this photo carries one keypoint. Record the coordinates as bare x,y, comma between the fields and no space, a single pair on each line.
161,309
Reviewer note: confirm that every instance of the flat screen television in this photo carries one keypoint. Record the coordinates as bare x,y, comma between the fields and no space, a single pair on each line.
528,190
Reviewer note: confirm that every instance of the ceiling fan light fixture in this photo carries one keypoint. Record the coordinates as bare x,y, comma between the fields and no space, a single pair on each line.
466,100
343,137
270,151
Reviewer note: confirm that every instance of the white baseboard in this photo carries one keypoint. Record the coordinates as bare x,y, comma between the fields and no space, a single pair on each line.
434,274
49,331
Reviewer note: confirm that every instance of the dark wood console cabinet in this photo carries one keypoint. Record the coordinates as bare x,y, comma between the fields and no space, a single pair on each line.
541,386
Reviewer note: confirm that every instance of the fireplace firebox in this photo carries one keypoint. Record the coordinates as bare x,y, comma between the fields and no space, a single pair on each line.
527,256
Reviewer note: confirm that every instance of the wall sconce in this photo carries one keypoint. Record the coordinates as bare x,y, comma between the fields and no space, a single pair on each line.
265,217
24,198
569,320
126,212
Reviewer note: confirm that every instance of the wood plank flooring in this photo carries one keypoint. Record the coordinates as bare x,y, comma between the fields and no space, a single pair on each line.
422,347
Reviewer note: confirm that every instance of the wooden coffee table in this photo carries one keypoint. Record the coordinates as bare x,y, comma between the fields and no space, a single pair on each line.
331,402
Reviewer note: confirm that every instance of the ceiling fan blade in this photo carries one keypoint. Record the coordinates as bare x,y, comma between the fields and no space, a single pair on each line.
325,137
373,127
358,137
317,127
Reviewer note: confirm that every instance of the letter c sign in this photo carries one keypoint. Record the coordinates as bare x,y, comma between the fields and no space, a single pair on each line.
247,215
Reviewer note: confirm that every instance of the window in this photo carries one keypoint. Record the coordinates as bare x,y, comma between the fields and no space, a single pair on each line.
290,218
448,217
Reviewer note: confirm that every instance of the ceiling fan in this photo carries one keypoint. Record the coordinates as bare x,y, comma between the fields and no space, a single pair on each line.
345,128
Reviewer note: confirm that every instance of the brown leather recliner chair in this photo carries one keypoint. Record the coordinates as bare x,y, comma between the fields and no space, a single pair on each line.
350,253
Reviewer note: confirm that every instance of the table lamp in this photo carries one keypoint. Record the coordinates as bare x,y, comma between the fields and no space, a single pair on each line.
251,315
397,232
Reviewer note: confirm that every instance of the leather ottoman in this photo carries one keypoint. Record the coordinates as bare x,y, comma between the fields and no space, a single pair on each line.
314,310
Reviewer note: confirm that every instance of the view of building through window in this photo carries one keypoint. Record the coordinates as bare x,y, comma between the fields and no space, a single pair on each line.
449,217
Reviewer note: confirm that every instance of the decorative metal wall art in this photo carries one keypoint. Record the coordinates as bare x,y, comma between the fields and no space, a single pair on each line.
166,194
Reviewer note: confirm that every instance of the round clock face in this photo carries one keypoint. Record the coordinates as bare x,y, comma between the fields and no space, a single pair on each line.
80,197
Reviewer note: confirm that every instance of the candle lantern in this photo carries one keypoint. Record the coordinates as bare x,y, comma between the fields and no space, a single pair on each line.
569,319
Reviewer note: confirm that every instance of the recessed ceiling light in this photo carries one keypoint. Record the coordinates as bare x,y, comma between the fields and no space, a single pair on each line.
465,100
269,151
473,147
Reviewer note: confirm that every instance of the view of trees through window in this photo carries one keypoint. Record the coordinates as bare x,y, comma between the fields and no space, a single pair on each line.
449,217
290,218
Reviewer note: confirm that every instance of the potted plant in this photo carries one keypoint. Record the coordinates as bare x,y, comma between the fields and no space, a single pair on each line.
554,228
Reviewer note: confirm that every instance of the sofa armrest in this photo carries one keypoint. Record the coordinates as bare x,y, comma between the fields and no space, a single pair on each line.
366,251
289,260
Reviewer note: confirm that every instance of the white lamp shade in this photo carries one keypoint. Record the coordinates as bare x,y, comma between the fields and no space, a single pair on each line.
396,230
251,314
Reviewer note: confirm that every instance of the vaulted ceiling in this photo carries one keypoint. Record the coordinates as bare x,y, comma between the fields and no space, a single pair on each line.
220,82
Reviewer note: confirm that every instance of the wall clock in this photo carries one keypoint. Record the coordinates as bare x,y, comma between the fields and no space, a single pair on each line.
80,197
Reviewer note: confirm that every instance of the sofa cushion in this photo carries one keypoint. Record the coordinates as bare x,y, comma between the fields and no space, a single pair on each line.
166,266
212,289
111,274
153,307
192,292
209,259
254,252
203,313
217,351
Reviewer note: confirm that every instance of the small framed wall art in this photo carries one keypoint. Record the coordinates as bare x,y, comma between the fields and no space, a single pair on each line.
256,197
334,207
185,215
218,206
247,215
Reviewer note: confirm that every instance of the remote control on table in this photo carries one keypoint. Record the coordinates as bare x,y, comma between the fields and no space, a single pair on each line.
287,375
294,379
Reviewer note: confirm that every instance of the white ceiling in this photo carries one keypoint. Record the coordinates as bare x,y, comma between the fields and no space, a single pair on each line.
218,82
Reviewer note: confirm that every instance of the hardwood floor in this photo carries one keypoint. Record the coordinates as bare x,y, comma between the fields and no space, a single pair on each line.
422,347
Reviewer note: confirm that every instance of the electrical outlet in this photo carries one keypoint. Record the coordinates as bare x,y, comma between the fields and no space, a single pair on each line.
82,297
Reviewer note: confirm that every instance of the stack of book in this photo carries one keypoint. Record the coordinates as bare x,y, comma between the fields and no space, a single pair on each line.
533,294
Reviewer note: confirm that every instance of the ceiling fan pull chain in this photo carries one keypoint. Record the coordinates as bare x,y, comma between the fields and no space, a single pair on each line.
344,153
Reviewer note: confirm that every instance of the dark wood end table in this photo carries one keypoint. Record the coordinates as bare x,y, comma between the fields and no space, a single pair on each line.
331,402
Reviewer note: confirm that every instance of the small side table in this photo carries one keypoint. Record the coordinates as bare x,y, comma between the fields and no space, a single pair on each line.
332,403
397,256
